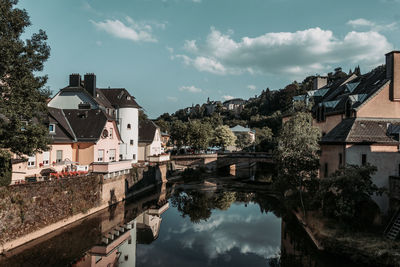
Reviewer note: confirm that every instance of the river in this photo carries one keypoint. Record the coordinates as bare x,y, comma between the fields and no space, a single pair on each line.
180,225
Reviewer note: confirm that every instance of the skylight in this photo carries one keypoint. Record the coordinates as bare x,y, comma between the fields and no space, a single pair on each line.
358,98
330,104
351,86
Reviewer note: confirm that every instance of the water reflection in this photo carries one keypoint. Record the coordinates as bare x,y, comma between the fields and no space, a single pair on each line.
176,226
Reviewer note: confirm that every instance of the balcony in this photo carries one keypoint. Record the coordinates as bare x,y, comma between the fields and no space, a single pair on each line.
394,187
109,167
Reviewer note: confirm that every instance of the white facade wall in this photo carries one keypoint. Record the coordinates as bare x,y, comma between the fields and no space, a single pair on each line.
387,163
71,100
155,146
125,117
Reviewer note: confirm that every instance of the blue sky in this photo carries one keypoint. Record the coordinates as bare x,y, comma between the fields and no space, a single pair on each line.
172,53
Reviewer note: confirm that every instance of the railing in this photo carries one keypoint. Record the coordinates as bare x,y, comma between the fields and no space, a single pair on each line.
159,158
109,167
115,174
394,187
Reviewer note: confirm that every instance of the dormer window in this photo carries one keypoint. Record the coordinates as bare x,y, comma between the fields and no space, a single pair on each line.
52,128
128,98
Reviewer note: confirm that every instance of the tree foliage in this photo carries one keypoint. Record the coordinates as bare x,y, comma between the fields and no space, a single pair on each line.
199,134
5,168
23,109
223,136
297,156
243,141
344,192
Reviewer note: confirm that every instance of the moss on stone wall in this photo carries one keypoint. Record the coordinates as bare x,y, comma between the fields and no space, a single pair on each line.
29,207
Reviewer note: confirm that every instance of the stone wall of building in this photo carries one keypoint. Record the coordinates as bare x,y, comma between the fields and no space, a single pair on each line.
29,207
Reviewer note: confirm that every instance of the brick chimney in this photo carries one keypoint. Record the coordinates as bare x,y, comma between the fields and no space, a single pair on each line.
319,82
393,74
74,80
90,83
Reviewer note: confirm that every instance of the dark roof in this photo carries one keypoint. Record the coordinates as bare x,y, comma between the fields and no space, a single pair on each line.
147,130
99,98
363,130
235,101
120,98
358,91
63,131
86,124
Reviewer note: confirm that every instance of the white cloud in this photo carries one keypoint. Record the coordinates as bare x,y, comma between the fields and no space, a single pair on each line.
99,43
358,23
87,7
191,89
136,32
227,97
172,98
251,87
297,53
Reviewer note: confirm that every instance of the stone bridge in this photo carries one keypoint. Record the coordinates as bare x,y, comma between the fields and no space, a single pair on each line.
236,163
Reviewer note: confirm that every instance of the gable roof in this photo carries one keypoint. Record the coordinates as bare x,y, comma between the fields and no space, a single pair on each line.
358,90
119,98
363,130
240,128
147,131
87,125
63,131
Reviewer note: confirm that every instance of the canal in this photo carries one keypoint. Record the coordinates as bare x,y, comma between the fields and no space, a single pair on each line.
180,225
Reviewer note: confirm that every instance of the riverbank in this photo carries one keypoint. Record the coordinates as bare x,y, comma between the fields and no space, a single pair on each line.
368,248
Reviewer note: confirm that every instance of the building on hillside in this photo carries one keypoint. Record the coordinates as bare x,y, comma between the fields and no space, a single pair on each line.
211,106
238,129
165,137
236,104
359,117
149,140
117,103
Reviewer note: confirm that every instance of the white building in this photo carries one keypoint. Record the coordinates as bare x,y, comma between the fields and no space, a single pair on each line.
149,140
127,115
116,102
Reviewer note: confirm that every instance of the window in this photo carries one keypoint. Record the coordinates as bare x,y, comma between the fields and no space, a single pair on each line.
52,128
100,155
120,156
363,159
32,161
131,142
134,156
326,170
111,133
111,155
46,158
340,159
59,155
128,126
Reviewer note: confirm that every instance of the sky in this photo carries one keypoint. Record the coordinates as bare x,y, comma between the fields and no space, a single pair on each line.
170,54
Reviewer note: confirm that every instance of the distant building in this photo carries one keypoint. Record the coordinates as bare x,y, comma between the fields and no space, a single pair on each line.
236,104
149,140
238,129
211,106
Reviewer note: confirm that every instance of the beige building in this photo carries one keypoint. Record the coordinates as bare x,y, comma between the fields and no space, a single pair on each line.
149,140
359,117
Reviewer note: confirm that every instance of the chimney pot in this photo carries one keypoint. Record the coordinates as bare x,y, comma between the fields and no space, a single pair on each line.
393,74
90,83
74,80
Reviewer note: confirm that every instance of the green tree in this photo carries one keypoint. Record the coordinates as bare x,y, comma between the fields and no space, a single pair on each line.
344,193
297,156
243,140
199,134
179,133
263,139
23,107
223,136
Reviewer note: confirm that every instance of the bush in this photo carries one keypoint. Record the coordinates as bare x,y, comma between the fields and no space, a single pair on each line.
5,168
